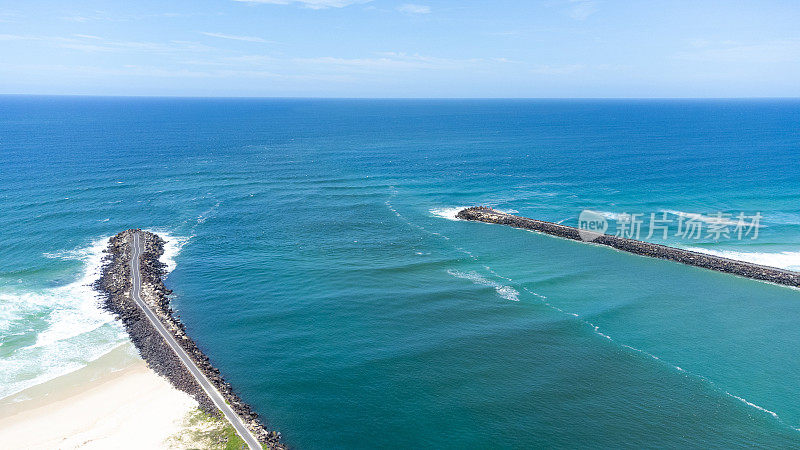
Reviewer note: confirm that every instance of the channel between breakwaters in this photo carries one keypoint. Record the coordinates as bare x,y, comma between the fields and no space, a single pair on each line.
719,264
115,284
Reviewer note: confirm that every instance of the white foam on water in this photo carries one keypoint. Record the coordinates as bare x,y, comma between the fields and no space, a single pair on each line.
64,328
731,221
506,292
448,213
65,324
172,247
391,208
612,215
782,218
782,260
208,213
596,330
708,219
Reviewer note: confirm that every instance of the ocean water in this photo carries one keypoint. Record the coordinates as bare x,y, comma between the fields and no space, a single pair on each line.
315,258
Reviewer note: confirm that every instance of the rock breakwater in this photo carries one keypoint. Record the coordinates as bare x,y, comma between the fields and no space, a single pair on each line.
115,285
741,268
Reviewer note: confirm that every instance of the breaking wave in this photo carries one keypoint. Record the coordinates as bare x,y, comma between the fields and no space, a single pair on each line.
782,260
51,331
506,292
446,213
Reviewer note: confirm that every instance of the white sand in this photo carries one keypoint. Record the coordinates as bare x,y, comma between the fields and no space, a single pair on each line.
102,406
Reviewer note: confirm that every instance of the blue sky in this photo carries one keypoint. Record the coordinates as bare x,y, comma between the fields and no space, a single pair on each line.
387,48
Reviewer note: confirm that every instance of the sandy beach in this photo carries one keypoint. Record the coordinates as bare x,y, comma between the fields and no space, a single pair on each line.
115,402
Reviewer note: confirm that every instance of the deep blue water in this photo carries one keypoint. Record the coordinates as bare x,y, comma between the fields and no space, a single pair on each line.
317,263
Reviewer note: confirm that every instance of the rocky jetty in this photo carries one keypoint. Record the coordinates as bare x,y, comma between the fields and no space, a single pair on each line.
741,268
115,284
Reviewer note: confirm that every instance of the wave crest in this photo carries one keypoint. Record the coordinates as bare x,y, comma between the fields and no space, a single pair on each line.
782,260
50,331
506,292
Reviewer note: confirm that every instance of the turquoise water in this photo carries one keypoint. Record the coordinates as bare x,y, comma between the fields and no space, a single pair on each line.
316,261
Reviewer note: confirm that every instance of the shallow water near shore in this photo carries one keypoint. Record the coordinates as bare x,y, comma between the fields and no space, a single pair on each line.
118,359
318,264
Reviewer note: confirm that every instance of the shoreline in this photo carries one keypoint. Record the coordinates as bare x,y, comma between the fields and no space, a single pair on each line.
113,402
703,260
119,359
115,284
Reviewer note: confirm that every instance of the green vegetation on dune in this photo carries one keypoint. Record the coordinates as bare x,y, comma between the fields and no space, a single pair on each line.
201,430
233,441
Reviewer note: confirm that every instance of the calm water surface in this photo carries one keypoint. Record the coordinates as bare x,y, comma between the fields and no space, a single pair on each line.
316,262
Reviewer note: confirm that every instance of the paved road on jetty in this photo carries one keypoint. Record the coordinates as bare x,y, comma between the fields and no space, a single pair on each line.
212,392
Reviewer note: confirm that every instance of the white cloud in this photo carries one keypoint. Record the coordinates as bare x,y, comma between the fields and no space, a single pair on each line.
503,33
234,37
88,36
581,9
391,61
91,43
9,16
737,52
79,19
250,59
368,64
17,37
312,4
93,16
411,8
557,69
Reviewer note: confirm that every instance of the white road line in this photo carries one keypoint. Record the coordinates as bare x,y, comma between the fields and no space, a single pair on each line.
210,390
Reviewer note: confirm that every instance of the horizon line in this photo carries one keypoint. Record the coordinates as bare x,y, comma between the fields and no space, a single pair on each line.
233,97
